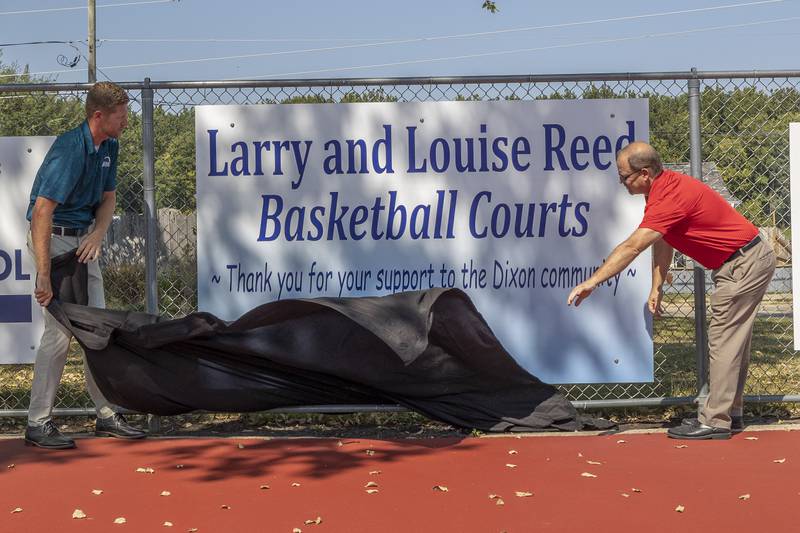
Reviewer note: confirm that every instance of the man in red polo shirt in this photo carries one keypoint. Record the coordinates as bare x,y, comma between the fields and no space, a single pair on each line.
685,214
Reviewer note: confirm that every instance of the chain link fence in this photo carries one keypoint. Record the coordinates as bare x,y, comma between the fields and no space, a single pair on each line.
744,121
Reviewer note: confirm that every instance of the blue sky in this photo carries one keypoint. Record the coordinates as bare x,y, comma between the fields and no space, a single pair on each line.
358,38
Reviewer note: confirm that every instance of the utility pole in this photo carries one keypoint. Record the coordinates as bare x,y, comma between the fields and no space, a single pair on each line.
92,43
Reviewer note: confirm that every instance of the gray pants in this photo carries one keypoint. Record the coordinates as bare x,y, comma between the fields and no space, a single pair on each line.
740,285
53,348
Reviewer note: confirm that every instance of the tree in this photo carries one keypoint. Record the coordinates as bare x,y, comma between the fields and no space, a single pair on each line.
490,6
744,128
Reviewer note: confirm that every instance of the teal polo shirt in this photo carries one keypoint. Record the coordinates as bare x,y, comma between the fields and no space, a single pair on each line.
76,175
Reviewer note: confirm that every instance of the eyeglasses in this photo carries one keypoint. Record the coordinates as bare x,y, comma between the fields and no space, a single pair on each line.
626,177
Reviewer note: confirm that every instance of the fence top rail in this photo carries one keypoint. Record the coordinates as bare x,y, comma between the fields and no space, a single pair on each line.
448,80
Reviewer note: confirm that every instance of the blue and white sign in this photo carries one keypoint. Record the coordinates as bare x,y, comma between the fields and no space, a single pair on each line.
21,320
513,202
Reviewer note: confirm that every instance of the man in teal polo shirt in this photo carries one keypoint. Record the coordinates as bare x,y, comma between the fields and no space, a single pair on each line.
71,207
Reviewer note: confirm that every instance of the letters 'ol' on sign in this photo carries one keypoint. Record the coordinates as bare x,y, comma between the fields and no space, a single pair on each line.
20,316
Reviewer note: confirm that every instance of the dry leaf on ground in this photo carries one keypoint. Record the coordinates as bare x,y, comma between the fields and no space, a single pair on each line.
17,510
625,495
240,446
594,462
178,466
223,506
499,501
781,461
146,470
12,465
370,484
522,494
620,441
295,484
370,452
317,521
634,489
440,488
167,524
263,487
374,472
679,446
371,491
97,492
78,514
744,497
751,438
120,520
165,493
680,508
587,474
297,530
510,465
512,452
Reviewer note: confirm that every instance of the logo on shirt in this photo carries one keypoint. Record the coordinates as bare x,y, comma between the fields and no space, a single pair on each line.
106,161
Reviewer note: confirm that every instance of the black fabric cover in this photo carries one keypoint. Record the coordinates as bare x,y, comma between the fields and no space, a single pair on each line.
430,351
69,279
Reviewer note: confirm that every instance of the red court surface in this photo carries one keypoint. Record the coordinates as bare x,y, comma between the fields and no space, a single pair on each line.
639,484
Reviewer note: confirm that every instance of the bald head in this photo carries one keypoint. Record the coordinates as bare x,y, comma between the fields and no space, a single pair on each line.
639,155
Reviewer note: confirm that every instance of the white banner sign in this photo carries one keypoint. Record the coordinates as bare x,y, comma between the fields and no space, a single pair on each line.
21,320
512,202
794,187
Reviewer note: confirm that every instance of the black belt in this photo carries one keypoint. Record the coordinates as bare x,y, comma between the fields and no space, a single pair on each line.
743,249
68,232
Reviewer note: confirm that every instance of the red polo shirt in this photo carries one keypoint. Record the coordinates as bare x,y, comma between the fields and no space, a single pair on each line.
695,220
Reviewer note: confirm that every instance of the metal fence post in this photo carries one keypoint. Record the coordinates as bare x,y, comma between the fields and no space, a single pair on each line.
696,169
150,214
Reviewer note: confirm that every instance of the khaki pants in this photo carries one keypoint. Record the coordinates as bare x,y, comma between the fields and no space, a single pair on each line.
53,348
740,285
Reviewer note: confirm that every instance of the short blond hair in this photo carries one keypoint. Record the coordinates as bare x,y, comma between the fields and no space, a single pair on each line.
105,96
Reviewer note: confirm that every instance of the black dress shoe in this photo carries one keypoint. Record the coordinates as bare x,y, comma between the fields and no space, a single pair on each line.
737,422
698,432
47,436
116,426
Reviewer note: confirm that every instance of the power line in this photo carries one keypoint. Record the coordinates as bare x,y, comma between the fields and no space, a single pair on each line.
485,54
615,19
414,39
427,39
41,72
520,50
373,43
394,40
286,40
2,45
82,8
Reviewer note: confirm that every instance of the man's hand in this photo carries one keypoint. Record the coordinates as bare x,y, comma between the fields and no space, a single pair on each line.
580,293
89,250
43,291
654,302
